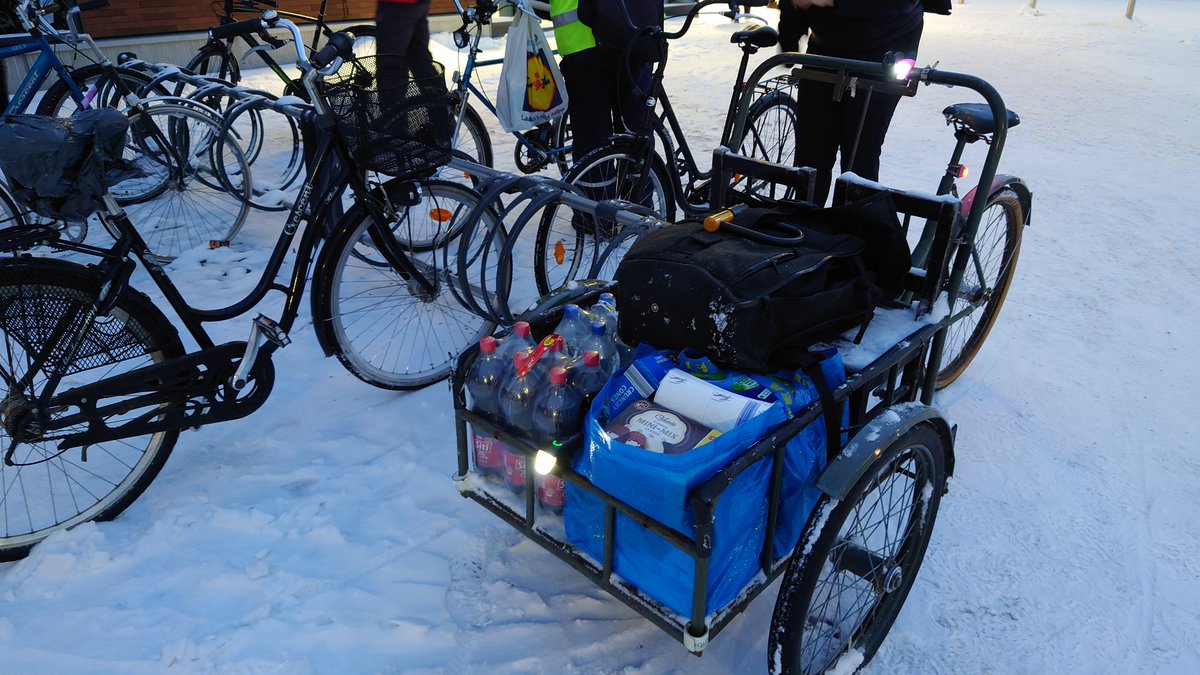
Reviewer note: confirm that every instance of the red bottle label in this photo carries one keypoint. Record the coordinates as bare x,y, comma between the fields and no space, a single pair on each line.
550,491
488,452
514,468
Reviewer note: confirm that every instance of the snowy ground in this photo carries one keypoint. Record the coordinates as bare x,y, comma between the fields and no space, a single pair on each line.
323,535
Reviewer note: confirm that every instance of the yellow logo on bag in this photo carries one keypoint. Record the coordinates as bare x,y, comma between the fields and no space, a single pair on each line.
541,91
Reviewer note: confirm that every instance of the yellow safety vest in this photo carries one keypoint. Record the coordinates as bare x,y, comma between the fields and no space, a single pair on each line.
570,34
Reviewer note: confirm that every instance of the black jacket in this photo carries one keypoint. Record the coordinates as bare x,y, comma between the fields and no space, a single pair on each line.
863,29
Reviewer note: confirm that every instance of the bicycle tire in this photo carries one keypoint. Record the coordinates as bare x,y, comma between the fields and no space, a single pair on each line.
996,248
57,101
839,557
11,215
214,60
771,136
373,320
472,139
565,245
50,490
364,38
562,141
190,195
254,126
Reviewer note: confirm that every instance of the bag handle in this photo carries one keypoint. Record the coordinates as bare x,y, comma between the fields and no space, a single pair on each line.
747,218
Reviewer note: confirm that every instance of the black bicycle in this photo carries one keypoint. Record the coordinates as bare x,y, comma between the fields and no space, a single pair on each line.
217,57
97,384
630,168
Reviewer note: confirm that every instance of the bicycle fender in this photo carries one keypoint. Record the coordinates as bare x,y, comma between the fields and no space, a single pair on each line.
1002,181
869,443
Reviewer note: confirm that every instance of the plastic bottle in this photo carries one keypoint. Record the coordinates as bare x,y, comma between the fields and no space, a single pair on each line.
484,382
588,379
516,412
605,309
553,355
555,418
573,328
601,341
518,341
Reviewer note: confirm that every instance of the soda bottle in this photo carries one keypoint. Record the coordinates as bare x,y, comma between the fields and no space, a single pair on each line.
555,417
573,328
601,341
516,412
483,383
588,379
518,341
554,355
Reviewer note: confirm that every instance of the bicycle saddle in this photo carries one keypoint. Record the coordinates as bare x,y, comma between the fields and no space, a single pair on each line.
759,36
977,117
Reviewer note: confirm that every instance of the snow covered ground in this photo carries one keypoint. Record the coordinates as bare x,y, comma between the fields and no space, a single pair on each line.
323,534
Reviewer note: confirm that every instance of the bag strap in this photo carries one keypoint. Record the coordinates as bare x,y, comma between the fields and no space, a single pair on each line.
811,365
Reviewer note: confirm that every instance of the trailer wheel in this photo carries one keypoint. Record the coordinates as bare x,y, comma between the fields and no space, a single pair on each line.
857,560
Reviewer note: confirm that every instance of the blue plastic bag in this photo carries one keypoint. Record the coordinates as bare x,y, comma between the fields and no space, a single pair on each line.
658,485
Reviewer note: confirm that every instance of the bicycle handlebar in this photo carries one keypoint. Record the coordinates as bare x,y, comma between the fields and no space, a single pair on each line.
337,50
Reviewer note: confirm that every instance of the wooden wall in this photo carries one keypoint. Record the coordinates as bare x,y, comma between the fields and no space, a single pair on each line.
151,17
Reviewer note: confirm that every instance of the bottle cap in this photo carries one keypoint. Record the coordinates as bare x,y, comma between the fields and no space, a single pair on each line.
572,311
487,344
608,299
521,358
598,328
558,376
521,329
591,359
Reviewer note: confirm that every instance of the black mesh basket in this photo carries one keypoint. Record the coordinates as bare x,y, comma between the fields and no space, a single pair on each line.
394,112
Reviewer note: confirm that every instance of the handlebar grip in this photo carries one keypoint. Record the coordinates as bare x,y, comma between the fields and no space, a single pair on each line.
340,44
92,4
237,29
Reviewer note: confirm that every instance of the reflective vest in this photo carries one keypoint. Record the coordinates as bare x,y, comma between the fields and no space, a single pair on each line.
570,35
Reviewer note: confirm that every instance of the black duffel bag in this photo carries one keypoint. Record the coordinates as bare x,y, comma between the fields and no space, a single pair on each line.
757,292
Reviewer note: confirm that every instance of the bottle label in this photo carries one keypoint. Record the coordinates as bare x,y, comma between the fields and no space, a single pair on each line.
550,491
488,452
514,468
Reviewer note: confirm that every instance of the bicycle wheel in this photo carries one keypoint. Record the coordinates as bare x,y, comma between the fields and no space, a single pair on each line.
44,489
985,283
11,215
253,125
383,327
857,561
562,141
771,136
569,244
95,81
194,190
471,139
364,38
214,60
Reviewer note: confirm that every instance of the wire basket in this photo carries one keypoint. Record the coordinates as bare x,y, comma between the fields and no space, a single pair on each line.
394,112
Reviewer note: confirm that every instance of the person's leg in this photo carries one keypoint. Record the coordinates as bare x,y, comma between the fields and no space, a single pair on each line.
395,26
588,100
861,150
817,133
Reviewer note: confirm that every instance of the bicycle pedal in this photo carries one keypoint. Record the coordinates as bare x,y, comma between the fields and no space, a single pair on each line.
271,330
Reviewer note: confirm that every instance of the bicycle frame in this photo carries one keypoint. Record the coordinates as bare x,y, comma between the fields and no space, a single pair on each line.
46,62
465,87
256,47
227,368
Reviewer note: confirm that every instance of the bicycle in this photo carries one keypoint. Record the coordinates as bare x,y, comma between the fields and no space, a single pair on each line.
216,57
170,140
91,365
535,148
630,169
986,242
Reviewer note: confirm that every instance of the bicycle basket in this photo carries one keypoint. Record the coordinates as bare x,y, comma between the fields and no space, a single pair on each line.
60,168
394,112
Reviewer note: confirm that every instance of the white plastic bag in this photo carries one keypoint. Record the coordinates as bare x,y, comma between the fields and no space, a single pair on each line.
532,89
